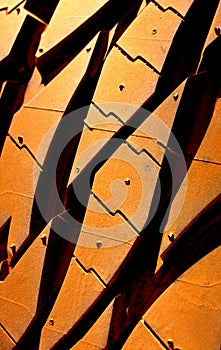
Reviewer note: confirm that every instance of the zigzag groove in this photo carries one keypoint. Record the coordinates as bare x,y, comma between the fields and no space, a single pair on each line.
119,212
90,270
143,150
109,114
169,8
106,115
8,12
24,146
137,58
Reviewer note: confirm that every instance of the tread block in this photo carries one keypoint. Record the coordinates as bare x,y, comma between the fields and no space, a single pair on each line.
6,342
67,17
194,304
104,260
119,71
10,25
215,27
153,41
108,116
72,302
210,149
142,338
203,185
126,184
24,135
130,75
53,97
97,336
19,228
17,179
22,300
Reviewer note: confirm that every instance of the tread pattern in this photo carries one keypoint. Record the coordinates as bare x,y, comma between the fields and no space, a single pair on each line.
126,281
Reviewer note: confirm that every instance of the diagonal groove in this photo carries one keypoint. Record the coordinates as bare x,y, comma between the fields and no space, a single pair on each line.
54,272
198,103
67,250
40,10
125,22
7,332
186,49
4,232
136,272
165,85
184,252
82,97
155,335
52,62
172,268
17,68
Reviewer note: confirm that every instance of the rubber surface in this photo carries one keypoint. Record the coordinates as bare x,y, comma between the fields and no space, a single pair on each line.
129,257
